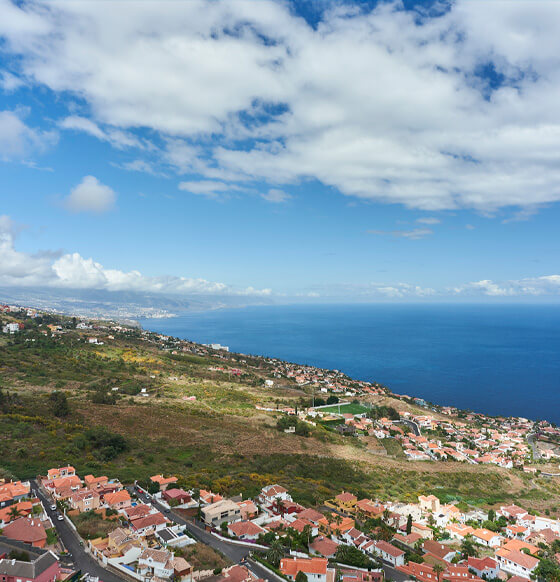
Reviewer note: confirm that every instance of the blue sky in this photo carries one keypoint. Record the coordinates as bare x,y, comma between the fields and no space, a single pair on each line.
309,151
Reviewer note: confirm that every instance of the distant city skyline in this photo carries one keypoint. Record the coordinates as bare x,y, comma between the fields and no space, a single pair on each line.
281,151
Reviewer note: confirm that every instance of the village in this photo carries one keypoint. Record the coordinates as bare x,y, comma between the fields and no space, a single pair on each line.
149,528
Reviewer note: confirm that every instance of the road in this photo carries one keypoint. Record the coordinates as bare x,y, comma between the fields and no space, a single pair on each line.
412,425
531,440
80,558
234,552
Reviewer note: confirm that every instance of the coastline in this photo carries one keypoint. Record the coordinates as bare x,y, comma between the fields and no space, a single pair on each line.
451,397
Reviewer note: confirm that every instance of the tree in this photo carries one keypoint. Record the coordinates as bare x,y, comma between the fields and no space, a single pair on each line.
301,577
468,548
548,570
275,552
59,404
409,524
491,515
352,556
14,512
438,570
332,399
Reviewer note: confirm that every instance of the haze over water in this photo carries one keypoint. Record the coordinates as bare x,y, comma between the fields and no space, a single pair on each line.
496,359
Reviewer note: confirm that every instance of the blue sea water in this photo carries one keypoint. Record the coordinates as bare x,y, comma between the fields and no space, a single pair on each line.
496,359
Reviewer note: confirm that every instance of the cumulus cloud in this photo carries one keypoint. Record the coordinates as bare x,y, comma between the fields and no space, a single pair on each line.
18,141
10,82
276,196
545,285
382,104
414,234
90,195
72,271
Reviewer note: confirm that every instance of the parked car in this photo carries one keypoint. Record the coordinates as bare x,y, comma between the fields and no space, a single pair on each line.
53,507
60,517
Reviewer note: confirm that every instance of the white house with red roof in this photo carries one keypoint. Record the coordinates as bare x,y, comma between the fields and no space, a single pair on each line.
245,530
390,553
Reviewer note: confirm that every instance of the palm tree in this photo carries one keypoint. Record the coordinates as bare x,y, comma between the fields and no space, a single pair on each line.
467,547
386,515
14,512
280,506
275,552
438,570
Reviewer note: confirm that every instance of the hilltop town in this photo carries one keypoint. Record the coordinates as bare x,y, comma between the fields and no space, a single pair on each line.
190,462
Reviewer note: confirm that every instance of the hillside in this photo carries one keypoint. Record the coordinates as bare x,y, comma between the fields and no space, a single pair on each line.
138,405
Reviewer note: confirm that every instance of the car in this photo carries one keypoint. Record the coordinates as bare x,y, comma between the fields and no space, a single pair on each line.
53,507
60,517
167,510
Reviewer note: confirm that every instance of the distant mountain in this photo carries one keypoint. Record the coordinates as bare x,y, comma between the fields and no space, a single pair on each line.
119,304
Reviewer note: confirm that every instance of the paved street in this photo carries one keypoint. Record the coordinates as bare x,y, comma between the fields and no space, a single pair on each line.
234,552
81,559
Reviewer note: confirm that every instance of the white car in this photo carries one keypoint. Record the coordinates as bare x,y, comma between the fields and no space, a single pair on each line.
60,517
53,507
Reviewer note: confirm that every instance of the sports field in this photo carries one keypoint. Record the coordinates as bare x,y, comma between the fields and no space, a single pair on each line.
345,409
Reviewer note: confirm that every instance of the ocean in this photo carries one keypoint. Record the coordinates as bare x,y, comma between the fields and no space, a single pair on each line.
496,359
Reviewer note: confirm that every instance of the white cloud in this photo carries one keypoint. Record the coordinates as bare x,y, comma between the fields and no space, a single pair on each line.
276,196
72,271
428,220
116,137
19,141
545,285
208,188
382,104
414,234
10,82
90,195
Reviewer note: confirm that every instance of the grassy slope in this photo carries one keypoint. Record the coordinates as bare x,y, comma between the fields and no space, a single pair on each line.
218,441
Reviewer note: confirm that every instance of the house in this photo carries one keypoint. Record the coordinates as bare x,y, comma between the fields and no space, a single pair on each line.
487,567
11,328
389,553
147,525
516,562
517,531
42,565
345,502
245,530
360,576
426,573
422,530
248,509
222,511
162,481
118,500
438,551
366,508
92,482
158,563
238,573
176,496
334,524
429,503
27,530
311,515
12,491
208,497
23,508
324,547
85,500
459,531
486,537
512,512
67,471
408,541
301,524
138,511
272,493
314,568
